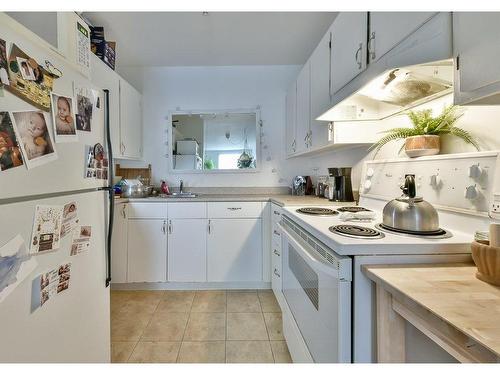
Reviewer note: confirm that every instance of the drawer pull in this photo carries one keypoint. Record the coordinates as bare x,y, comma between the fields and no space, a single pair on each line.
277,233
276,252
276,272
276,212
234,208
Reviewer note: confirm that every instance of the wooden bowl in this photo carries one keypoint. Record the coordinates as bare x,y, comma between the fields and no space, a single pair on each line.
487,260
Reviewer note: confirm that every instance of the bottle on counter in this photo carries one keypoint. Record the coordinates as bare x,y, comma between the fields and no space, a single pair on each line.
164,187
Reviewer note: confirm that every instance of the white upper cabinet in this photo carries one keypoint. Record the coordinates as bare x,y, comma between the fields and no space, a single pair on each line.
476,43
349,35
303,108
291,120
102,76
387,29
130,121
320,61
125,110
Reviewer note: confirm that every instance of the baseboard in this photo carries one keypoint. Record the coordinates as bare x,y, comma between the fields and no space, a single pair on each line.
192,286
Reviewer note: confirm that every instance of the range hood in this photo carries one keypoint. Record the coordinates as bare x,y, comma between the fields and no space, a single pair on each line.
416,71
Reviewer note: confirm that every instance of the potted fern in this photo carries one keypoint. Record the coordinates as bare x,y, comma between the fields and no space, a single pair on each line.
423,138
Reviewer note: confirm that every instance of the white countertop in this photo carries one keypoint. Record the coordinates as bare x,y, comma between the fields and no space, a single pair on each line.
279,199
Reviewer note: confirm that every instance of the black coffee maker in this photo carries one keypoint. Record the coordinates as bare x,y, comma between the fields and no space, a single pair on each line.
342,187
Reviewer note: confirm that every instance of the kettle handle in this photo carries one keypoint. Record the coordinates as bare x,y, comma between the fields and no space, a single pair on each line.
409,188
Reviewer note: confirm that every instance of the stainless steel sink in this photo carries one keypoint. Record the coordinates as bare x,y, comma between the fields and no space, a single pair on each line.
184,194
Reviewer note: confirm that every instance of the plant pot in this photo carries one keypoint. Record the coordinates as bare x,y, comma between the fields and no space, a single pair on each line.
422,145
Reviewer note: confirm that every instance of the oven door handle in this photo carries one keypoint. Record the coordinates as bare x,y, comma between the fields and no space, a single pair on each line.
314,262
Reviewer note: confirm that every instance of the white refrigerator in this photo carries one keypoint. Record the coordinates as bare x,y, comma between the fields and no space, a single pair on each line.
75,325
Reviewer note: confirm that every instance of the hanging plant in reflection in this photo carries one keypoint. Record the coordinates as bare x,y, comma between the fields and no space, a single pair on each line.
246,159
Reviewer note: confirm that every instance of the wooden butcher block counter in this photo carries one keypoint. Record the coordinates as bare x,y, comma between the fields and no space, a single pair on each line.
447,303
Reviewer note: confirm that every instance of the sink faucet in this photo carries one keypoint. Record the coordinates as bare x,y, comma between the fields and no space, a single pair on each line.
181,187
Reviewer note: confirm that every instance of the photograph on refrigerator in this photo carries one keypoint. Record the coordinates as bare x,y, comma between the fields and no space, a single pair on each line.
84,108
15,265
63,116
26,70
4,75
69,219
46,229
28,80
35,138
10,153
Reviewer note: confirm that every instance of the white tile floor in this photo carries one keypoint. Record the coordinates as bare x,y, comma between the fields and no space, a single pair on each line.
213,326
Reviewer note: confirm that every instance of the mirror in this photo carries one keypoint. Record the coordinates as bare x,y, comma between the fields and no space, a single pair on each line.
215,141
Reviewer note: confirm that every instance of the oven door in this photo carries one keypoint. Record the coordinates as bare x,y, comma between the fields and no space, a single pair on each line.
319,298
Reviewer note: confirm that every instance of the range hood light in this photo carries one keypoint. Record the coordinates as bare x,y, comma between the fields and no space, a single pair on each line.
394,91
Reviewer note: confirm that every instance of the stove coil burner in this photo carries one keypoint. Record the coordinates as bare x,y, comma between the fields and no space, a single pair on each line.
356,231
439,233
353,209
319,211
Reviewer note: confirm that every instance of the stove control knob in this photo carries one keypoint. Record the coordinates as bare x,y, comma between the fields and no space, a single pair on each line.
370,172
475,171
471,192
367,185
435,180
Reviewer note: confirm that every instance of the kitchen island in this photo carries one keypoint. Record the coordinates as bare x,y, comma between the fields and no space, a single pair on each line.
447,303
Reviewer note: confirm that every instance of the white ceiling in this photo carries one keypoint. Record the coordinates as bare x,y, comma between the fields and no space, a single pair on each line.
219,38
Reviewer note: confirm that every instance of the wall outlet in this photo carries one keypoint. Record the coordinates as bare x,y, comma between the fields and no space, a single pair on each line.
495,206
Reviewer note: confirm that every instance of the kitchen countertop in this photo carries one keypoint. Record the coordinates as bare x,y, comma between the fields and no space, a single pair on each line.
450,293
279,199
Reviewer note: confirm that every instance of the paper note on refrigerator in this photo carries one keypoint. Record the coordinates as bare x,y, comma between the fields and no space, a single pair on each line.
46,229
15,265
49,284
81,239
69,218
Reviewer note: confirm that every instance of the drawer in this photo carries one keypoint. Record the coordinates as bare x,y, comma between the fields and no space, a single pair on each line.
275,213
234,209
187,210
146,210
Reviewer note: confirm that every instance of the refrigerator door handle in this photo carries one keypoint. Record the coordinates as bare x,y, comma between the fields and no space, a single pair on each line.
111,192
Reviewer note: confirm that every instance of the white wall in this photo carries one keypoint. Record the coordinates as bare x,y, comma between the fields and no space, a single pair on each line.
166,88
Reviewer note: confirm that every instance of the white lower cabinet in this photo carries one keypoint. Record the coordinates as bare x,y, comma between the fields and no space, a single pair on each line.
119,245
234,250
187,250
147,250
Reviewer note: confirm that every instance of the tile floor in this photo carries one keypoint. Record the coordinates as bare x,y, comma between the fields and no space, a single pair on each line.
207,326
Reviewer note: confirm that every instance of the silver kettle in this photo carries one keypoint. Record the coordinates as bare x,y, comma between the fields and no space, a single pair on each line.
410,213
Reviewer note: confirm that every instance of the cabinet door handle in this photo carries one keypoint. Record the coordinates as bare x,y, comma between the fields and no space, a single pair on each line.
124,213
234,208
277,233
209,227
170,227
163,227
276,252
358,60
371,46
276,272
330,81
